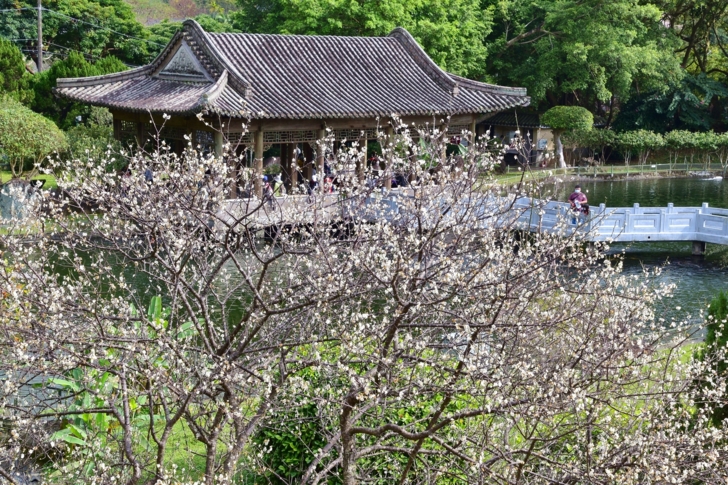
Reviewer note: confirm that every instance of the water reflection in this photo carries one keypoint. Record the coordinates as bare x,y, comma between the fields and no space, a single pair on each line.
696,279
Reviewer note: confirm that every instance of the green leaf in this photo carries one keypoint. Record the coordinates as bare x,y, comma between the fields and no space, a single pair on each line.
64,383
66,436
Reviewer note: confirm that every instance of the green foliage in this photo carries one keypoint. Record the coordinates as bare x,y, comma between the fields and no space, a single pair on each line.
681,105
93,141
597,141
14,77
452,32
216,23
640,143
60,110
680,141
163,31
103,28
716,344
563,118
26,136
289,441
584,52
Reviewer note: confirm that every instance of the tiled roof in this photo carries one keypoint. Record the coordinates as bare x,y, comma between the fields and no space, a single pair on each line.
292,77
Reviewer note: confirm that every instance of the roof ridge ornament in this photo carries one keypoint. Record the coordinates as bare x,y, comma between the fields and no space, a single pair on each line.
209,97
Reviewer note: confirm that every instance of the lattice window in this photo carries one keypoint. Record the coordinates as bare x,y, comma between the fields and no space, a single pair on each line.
457,129
239,138
206,139
368,134
127,131
272,137
174,133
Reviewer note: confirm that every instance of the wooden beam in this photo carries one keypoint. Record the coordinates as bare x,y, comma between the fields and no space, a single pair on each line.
235,126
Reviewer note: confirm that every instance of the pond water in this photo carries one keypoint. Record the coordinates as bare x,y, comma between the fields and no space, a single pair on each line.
697,278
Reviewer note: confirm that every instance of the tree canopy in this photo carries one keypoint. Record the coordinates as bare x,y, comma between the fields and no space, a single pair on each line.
94,28
586,52
26,136
14,77
452,32
563,118
60,110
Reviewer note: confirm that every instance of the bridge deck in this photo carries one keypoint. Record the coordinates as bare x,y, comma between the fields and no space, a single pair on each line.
620,224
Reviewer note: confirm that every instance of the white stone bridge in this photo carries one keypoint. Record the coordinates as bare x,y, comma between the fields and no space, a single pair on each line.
699,225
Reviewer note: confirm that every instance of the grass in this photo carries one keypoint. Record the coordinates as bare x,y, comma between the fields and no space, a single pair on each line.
50,180
513,174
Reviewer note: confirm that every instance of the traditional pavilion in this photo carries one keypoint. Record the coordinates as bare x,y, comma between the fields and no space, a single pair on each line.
288,89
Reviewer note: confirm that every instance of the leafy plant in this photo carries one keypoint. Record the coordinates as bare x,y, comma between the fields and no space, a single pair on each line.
26,137
14,77
714,349
93,141
565,118
63,111
597,141
640,143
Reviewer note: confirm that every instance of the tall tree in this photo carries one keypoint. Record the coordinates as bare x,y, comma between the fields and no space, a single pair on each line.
587,52
63,111
14,77
451,31
95,28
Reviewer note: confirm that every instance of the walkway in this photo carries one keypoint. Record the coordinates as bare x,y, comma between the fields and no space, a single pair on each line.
622,224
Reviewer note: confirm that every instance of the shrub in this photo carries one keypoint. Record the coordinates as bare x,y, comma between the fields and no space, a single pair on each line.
26,137
640,143
566,118
94,141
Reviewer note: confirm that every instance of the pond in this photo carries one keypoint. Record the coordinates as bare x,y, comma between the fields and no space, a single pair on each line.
698,279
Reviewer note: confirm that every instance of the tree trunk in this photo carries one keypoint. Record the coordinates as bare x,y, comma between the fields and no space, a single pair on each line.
559,149
348,460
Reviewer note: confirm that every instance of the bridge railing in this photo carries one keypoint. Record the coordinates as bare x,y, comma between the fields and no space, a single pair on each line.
626,224
620,224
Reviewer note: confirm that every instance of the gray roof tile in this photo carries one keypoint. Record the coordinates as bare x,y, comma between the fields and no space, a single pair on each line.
297,77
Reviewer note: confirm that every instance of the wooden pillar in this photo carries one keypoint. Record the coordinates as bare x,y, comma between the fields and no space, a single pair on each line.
473,131
307,162
387,174
445,139
321,157
361,164
258,164
218,144
289,166
285,165
141,135
292,165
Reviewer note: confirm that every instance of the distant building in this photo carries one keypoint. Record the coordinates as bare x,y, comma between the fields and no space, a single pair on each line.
291,88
